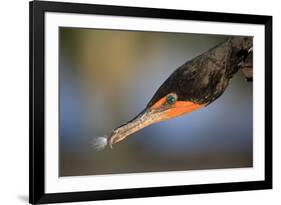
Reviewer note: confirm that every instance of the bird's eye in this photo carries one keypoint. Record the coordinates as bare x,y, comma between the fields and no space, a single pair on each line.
171,99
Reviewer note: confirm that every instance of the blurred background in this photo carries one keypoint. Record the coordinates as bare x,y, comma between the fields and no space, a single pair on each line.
107,77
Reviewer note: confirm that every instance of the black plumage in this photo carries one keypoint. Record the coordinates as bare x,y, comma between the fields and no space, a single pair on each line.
204,78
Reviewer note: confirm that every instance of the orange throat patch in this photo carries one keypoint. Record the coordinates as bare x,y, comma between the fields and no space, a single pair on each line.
178,108
183,107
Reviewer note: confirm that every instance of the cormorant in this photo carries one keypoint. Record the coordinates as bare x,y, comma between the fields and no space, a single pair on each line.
192,86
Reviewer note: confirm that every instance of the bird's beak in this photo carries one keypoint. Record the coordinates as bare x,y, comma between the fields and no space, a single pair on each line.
145,118
151,115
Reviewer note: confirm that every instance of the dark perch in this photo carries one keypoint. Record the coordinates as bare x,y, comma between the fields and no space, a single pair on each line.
194,85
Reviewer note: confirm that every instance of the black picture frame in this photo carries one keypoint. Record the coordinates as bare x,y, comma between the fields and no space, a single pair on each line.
37,194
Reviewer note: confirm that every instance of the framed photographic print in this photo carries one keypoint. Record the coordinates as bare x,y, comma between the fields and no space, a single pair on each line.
140,102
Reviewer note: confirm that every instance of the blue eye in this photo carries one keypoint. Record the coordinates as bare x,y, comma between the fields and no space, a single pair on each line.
171,99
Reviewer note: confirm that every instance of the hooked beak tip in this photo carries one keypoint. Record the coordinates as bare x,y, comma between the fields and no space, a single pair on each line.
143,119
111,142
134,125
114,138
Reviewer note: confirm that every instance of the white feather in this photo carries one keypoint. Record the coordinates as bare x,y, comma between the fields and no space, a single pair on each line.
99,143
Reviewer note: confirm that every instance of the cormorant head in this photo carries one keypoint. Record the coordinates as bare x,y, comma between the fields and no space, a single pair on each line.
168,102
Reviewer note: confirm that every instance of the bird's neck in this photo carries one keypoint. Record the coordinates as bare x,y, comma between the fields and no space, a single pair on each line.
239,50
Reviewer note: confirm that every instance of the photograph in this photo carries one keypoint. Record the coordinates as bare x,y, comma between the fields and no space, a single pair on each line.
130,102
147,101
